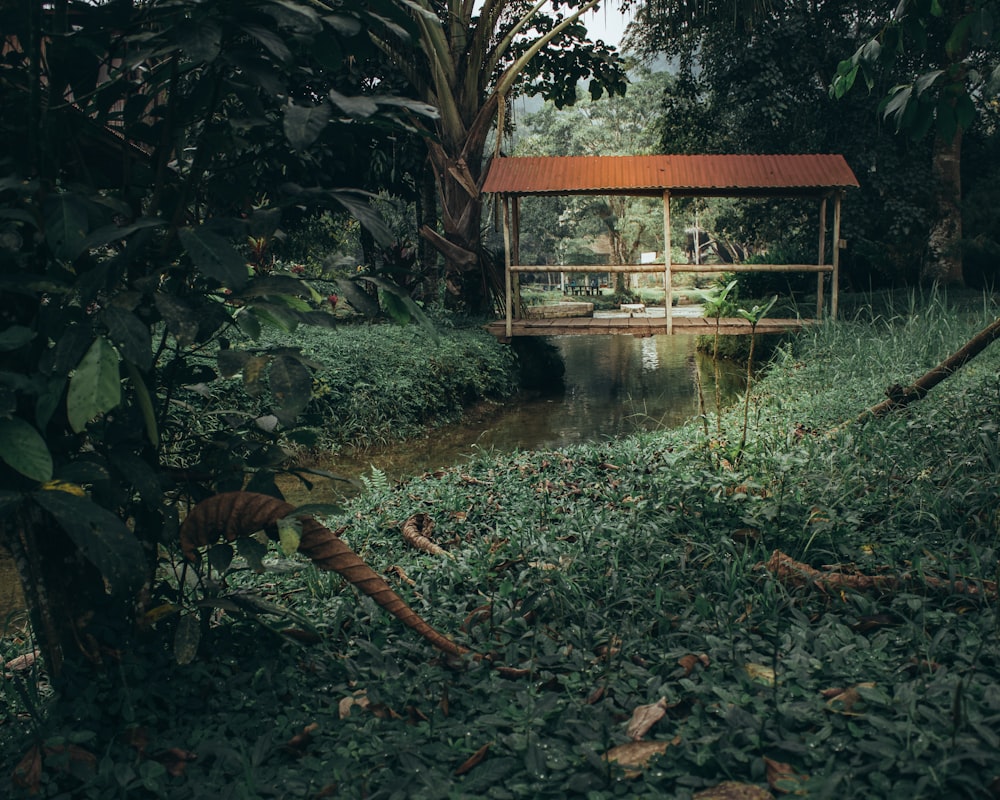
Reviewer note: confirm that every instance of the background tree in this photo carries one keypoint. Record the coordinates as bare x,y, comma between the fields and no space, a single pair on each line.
946,54
758,82
618,125
471,59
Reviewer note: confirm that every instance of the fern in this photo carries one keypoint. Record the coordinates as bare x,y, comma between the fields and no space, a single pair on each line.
377,483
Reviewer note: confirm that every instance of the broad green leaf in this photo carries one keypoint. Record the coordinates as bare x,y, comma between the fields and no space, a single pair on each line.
342,24
925,81
101,536
231,362
304,124
145,402
897,103
130,335
958,39
22,448
116,233
289,534
424,109
66,225
220,556
357,106
360,300
95,387
181,320
271,41
214,256
186,638
253,551
201,41
291,388
14,337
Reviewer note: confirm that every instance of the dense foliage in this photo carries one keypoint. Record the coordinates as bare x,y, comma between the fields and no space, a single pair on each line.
616,575
756,77
150,153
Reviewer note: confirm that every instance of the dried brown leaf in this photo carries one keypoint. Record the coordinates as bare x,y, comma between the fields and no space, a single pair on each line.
398,572
234,514
22,662
783,778
733,790
844,701
359,699
595,695
473,760
175,760
635,756
417,531
300,741
645,717
28,772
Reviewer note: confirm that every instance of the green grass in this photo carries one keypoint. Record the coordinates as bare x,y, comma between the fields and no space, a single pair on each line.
657,552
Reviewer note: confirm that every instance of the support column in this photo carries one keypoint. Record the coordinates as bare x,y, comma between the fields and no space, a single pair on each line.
515,255
835,290
508,305
821,276
667,271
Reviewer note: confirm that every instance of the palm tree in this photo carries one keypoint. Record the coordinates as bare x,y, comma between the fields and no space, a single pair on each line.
470,58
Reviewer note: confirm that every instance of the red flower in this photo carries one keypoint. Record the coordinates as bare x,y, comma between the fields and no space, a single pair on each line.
298,269
332,299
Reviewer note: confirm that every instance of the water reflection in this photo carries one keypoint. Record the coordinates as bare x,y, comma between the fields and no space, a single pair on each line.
613,386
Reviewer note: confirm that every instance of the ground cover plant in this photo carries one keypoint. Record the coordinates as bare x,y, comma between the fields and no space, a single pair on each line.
617,576
376,383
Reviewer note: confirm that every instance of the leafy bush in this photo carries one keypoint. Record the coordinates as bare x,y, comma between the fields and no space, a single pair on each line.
378,383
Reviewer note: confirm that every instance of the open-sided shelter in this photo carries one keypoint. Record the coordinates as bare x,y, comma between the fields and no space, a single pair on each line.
824,177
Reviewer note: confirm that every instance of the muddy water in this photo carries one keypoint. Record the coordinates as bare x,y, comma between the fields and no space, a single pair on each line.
613,386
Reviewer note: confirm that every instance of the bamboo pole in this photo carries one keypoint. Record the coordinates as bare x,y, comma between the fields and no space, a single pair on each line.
835,280
506,259
822,257
515,250
667,276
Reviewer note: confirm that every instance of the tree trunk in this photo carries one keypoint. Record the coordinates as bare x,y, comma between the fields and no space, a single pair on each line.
470,281
944,243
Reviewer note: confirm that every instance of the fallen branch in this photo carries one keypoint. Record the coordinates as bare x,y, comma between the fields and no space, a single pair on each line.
900,396
796,574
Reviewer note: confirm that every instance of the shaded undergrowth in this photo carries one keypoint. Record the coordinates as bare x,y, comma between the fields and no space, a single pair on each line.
615,574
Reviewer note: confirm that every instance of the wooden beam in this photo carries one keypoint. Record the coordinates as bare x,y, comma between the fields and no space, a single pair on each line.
506,263
835,290
668,278
822,258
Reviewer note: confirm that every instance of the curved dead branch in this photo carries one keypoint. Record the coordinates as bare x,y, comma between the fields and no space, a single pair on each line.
232,515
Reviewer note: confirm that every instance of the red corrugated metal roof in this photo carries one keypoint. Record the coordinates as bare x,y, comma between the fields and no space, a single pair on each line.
725,175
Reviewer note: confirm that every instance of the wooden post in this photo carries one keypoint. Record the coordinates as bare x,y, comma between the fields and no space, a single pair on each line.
506,261
821,277
515,255
667,276
835,278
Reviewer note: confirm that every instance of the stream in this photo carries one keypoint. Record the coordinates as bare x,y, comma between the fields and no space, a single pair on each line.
613,386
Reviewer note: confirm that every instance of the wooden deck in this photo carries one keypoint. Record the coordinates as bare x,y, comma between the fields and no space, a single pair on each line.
641,326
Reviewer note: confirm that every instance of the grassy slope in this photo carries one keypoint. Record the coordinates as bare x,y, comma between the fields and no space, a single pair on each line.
656,552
